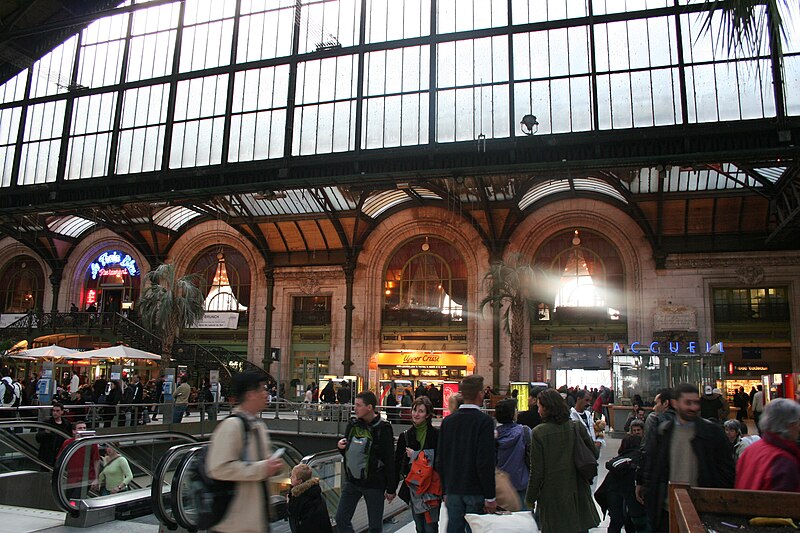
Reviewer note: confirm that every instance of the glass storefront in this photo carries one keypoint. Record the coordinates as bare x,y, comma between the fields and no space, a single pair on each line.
645,374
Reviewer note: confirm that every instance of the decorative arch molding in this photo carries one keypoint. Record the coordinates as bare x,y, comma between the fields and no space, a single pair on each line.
206,235
11,248
378,249
606,220
87,251
213,233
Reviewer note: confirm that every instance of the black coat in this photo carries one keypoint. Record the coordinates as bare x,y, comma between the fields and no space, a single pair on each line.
620,482
307,509
50,442
465,454
408,439
715,463
530,418
344,395
381,473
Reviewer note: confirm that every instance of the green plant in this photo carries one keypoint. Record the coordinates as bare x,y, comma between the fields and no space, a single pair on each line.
169,305
743,23
520,287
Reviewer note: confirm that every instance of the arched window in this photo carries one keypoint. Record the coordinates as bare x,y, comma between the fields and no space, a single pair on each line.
22,285
224,279
589,274
425,284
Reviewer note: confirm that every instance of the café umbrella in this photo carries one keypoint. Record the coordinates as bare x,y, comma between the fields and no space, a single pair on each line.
49,352
120,352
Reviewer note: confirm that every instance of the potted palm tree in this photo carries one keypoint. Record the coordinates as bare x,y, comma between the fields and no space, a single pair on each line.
519,286
169,305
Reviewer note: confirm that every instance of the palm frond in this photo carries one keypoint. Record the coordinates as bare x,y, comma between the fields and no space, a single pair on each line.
744,25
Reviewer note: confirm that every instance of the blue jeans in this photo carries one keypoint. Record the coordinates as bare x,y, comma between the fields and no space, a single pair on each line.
347,507
423,526
459,505
177,413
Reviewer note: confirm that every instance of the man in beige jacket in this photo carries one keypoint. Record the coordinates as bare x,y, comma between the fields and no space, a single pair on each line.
251,468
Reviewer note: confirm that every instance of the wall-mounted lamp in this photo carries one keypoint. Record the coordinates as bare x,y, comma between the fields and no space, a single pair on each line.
529,125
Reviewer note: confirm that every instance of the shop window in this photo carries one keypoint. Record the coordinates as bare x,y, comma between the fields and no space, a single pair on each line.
589,274
22,285
224,279
311,311
750,305
425,284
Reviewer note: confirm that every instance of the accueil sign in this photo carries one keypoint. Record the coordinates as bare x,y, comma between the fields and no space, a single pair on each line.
655,348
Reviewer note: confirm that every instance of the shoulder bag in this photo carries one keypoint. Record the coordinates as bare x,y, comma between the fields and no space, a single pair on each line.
585,462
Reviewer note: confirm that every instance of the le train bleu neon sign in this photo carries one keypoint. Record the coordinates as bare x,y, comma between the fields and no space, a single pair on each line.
126,264
654,347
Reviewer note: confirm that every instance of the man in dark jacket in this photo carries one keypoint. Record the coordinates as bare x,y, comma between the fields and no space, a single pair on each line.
49,441
531,417
343,395
465,458
712,406
686,449
368,450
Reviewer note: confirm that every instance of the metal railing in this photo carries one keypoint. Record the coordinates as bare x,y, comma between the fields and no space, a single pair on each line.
74,487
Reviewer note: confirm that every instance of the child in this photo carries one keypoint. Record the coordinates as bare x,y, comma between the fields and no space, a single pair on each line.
307,510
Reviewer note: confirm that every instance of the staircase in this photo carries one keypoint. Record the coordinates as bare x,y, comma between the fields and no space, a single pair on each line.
195,356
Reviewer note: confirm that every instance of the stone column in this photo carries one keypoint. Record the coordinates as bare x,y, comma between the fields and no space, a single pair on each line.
349,275
55,282
269,274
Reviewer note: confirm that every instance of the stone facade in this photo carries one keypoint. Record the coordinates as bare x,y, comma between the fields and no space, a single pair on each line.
657,300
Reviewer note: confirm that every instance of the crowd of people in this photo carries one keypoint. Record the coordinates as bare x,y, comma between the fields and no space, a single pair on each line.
474,464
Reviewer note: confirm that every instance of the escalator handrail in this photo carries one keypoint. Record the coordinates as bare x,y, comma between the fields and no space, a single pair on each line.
178,513
23,447
62,461
320,455
157,487
177,508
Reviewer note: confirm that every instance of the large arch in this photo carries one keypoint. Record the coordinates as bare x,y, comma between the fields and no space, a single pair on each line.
84,253
617,227
213,233
11,248
379,248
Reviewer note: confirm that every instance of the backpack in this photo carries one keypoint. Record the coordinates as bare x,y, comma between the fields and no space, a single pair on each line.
11,394
360,445
211,497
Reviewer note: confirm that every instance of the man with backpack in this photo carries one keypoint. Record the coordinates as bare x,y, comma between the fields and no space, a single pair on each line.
239,452
10,393
368,451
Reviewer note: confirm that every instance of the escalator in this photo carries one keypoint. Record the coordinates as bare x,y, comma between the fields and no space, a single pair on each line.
73,482
174,507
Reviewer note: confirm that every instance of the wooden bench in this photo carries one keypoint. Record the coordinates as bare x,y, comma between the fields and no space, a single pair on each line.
686,504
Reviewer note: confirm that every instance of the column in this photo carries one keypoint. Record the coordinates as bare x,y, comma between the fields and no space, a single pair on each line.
349,275
269,274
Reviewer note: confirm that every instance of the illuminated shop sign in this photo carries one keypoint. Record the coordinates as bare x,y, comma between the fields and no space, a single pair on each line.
751,368
655,347
91,296
113,263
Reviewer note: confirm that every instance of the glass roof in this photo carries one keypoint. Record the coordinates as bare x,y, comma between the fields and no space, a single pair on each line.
693,179
773,174
547,188
174,217
383,201
69,226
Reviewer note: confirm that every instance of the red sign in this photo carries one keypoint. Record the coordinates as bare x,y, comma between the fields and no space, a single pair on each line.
113,272
538,373
448,390
91,296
